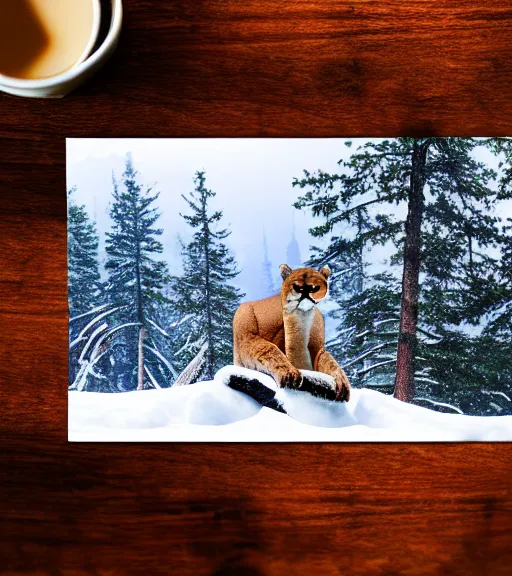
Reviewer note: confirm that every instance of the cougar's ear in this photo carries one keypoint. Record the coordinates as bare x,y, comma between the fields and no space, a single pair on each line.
325,272
285,271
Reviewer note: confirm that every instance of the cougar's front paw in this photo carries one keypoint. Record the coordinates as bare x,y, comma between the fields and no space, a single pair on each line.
342,387
290,378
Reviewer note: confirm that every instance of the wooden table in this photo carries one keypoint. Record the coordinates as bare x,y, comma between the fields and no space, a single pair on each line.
239,68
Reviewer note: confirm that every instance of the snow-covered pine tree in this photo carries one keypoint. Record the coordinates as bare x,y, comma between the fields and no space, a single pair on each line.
499,302
368,308
368,332
84,285
432,200
492,347
136,280
204,292
466,250
123,349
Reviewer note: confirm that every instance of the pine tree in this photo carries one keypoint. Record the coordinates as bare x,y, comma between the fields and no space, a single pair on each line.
204,292
432,201
370,320
492,347
366,304
499,301
119,344
136,278
84,285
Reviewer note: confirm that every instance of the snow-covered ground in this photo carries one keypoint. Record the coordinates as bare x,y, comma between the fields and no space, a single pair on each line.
211,411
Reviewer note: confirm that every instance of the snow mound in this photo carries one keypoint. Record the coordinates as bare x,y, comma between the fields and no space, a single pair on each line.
212,411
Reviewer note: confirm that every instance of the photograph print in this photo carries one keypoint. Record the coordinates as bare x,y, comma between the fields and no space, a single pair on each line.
290,289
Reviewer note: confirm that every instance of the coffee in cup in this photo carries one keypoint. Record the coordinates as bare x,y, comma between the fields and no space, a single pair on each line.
43,38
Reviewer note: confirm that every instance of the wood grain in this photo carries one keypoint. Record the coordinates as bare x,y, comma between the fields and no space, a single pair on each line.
229,68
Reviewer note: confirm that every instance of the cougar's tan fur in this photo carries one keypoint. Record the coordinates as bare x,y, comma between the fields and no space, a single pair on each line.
284,333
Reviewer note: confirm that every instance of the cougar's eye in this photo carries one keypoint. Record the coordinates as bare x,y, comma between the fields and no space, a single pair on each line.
297,288
315,288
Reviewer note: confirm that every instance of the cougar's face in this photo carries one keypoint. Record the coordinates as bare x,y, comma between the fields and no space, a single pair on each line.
303,288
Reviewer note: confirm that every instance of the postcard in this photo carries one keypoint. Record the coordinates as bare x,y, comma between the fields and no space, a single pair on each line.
290,289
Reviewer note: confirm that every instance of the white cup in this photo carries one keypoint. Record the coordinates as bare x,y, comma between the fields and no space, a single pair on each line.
63,83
